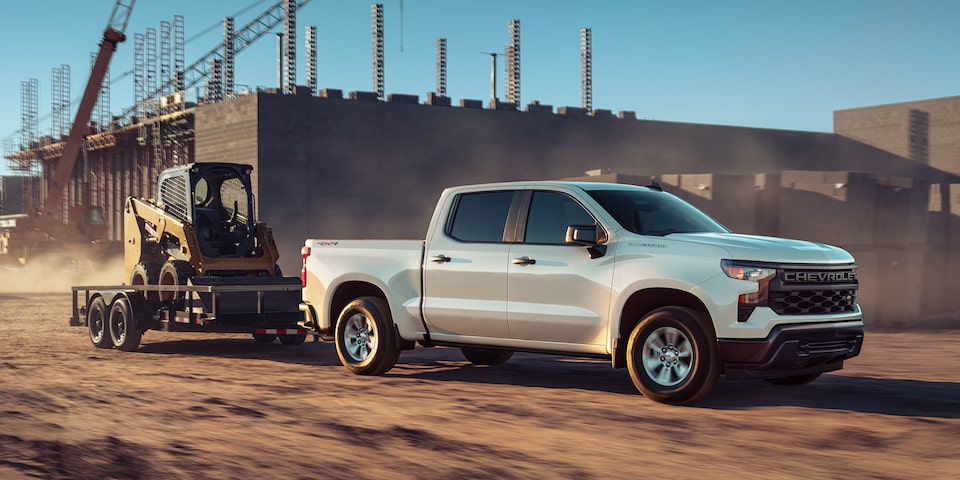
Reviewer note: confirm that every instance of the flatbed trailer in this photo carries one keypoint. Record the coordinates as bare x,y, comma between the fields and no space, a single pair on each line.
116,316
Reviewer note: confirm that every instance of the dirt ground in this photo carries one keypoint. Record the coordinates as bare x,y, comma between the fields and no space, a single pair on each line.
199,406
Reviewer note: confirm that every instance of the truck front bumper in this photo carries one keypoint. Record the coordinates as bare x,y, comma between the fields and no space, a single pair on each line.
791,350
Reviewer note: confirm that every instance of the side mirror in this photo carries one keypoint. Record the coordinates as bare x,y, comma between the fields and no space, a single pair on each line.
590,236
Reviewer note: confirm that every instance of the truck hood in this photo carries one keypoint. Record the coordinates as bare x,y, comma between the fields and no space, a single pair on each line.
767,249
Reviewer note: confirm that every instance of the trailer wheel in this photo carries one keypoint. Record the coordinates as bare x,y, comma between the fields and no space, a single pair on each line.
671,358
264,337
486,356
365,342
97,324
123,327
295,339
175,273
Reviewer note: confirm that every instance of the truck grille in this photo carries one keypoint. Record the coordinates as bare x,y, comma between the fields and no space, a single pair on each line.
812,302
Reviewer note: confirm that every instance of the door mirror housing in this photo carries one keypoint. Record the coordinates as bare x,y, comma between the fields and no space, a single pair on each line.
590,236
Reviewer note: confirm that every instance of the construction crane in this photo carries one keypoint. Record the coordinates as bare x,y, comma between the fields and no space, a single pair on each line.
43,225
242,38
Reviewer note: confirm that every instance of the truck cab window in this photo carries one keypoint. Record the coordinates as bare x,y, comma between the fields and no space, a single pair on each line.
481,217
550,215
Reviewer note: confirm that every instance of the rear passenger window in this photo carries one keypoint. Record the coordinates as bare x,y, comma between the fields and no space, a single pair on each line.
481,217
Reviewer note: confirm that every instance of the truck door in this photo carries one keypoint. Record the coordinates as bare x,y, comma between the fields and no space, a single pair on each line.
556,292
465,268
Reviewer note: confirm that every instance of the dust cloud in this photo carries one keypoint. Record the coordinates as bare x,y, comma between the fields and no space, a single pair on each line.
52,276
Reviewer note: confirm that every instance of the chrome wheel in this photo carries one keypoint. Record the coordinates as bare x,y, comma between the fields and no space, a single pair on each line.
360,337
667,356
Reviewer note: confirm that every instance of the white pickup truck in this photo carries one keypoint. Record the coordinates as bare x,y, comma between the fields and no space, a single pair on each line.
626,273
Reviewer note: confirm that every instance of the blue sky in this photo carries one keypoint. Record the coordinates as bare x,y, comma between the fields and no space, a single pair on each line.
768,64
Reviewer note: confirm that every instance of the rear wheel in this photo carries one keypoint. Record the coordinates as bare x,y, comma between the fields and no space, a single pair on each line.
486,356
97,315
671,357
123,327
365,342
794,380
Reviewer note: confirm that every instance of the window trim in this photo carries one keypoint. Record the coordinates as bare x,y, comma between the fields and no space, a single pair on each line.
510,225
525,213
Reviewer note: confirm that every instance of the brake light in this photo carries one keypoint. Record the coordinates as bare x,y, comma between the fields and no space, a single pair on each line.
304,252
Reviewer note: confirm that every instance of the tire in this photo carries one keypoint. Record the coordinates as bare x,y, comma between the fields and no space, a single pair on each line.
97,316
176,273
671,357
296,339
123,327
364,338
146,274
794,380
264,337
486,356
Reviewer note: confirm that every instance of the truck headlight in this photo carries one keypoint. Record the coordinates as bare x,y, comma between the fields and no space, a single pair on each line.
752,273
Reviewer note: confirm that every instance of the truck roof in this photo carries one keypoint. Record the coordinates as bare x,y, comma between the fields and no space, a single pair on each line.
549,183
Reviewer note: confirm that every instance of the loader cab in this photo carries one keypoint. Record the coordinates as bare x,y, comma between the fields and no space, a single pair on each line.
217,200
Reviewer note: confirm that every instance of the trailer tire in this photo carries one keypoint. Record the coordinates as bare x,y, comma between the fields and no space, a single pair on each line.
97,315
486,356
294,339
124,331
365,339
671,356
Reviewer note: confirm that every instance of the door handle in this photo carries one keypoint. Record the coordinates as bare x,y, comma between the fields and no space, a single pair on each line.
439,259
524,261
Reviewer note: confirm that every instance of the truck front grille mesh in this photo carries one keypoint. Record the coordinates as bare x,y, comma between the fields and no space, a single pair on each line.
812,302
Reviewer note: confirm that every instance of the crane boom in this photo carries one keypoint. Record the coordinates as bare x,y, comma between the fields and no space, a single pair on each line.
112,35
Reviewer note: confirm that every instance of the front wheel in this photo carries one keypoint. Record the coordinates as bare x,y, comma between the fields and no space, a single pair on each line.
794,380
486,356
671,358
365,342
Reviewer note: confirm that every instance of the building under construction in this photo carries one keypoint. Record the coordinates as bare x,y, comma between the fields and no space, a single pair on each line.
371,164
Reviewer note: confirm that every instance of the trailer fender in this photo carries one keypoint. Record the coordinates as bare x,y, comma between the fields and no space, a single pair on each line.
138,307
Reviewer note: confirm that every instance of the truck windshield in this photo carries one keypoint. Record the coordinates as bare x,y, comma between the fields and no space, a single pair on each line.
647,212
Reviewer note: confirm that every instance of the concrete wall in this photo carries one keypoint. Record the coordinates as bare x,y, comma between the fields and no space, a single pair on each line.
888,127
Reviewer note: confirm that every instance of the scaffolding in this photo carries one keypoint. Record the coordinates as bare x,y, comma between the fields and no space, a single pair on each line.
289,46
178,53
165,58
100,115
442,67
513,64
228,65
151,70
377,14
311,45
213,88
139,73
586,69
60,101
